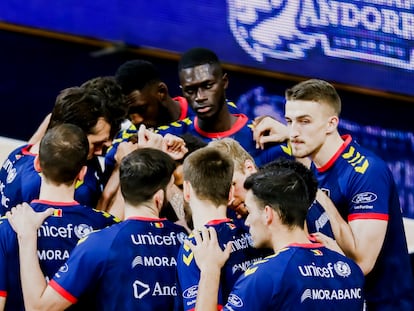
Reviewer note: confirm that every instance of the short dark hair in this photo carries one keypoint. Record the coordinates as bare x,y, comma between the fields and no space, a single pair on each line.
63,152
210,173
315,90
116,104
284,190
80,106
143,172
196,57
136,74
302,170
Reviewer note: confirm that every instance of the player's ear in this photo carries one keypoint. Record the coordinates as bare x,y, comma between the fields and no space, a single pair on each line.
186,190
332,124
36,164
162,91
82,173
159,198
225,80
249,166
269,214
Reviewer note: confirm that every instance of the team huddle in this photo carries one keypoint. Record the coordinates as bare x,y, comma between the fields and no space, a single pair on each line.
127,198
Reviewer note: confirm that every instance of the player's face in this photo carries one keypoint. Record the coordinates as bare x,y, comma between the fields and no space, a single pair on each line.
256,220
204,88
308,126
144,107
239,192
99,138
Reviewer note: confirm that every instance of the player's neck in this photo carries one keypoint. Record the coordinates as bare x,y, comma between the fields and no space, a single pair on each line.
204,211
35,148
287,236
56,193
143,210
325,153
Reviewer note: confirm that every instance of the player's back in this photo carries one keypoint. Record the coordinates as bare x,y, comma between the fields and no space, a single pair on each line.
300,277
129,266
362,188
57,237
242,256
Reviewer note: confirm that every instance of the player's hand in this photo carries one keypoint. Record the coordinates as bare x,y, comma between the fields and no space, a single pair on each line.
326,241
124,149
174,146
207,253
149,139
25,221
266,129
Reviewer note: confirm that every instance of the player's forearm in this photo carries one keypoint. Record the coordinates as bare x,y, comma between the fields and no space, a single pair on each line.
32,278
2,303
109,192
345,237
341,230
207,293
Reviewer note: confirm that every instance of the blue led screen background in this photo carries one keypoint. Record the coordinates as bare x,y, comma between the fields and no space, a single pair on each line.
361,43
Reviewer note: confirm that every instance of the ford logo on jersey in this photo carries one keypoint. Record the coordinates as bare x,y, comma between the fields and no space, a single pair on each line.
364,198
235,300
349,29
190,292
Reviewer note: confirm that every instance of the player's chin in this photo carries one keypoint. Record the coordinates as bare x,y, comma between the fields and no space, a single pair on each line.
299,152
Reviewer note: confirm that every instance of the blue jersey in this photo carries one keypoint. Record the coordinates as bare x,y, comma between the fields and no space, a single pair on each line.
240,131
241,257
57,236
362,187
300,277
128,266
20,182
17,170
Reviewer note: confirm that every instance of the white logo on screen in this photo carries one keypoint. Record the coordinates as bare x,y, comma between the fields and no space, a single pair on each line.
287,29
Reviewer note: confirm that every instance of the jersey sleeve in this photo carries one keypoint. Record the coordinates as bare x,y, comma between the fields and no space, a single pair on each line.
273,152
188,277
371,191
176,128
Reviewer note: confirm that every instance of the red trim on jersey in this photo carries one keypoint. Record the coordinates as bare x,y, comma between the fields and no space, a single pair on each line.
307,245
347,141
219,308
241,121
183,107
72,299
26,150
146,218
56,203
374,216
218,221
3,293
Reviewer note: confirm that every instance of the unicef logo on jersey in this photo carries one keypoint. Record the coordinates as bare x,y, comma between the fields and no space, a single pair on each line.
349,29
342,268
82,230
